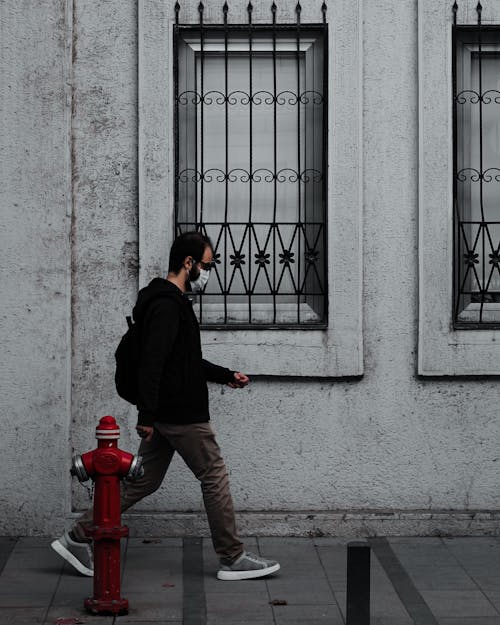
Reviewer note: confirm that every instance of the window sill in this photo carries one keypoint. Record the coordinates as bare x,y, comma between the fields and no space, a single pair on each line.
291,353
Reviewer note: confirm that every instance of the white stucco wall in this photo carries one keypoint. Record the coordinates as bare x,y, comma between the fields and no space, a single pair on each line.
388,452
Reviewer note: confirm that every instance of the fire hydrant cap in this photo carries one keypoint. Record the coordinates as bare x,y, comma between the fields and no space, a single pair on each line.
107,428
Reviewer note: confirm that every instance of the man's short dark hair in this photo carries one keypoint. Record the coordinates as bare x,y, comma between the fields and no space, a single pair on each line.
187,244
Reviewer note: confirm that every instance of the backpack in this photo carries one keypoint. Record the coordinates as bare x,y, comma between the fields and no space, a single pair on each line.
127,361
127,357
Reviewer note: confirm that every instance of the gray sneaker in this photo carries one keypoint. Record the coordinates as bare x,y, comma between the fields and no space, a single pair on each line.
247,566
79,555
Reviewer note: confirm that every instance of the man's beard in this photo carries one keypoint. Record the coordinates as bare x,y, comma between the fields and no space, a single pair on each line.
194,274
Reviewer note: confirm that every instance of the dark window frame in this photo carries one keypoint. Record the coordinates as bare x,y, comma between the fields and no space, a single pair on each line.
298,31
467,244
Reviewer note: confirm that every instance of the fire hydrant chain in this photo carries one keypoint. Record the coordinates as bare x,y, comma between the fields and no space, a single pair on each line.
90,491
106,466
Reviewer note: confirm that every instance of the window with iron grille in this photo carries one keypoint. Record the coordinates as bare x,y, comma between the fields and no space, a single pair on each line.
457,189
250,166
476,176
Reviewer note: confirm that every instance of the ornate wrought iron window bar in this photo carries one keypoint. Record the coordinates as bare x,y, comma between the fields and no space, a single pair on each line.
250,166
476,173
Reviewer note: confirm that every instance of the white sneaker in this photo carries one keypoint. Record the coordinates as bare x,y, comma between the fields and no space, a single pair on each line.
79,555
247,566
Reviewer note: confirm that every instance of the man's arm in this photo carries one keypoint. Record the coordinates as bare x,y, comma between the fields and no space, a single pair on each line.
214,373
160,328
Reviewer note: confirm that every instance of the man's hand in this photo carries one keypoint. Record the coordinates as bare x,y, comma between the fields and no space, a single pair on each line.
240,380
145,432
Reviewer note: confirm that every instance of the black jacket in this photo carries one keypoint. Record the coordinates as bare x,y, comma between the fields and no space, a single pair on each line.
172,373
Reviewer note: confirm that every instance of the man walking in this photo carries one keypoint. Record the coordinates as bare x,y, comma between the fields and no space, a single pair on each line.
173,411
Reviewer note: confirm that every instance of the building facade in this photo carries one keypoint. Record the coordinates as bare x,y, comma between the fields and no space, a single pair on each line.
345,159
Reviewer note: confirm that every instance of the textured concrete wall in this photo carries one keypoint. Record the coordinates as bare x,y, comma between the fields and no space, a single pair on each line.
105,204
388,441
35,192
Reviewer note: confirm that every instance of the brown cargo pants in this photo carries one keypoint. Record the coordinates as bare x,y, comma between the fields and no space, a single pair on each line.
198,448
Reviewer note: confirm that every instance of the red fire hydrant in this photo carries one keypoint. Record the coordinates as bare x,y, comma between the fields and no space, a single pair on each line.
106,466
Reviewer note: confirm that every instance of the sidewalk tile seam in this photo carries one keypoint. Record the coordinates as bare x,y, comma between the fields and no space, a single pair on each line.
461,565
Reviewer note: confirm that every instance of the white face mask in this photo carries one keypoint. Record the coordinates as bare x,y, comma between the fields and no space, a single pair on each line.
200,282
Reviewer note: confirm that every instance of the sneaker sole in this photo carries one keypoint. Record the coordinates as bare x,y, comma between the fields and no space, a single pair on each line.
71,559
236,575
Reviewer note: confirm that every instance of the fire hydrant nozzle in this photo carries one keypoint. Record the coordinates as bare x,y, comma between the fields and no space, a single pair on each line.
136,469
106,466
78,469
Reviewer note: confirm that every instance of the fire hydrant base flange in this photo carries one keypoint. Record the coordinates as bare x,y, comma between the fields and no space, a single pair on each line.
112,607
104,533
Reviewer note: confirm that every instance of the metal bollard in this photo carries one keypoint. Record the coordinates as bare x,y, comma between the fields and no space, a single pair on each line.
358,584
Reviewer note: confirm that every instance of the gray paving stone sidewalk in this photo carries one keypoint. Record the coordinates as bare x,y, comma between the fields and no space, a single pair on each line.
415,581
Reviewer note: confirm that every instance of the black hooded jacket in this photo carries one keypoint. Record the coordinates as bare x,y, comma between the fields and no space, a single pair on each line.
172,373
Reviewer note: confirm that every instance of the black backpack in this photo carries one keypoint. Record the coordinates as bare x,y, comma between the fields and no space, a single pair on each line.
128,353
127,361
